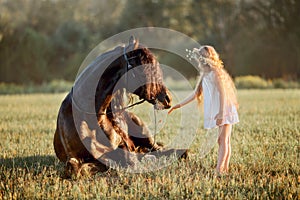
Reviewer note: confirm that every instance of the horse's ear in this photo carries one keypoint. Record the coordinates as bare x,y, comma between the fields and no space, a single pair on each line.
133,42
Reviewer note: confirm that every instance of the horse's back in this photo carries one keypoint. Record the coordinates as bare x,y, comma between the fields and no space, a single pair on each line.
67,143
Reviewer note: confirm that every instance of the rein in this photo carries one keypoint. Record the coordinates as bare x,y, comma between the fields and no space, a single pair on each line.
122,109
155,126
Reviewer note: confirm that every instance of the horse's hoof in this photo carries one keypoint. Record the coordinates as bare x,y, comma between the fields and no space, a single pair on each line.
72,167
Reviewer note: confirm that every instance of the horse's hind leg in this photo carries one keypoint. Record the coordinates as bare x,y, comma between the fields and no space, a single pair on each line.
58,147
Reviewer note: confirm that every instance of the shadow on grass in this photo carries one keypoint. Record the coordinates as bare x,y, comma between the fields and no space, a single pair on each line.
29,161
40,164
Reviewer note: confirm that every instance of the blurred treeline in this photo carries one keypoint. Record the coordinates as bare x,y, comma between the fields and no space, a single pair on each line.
42,40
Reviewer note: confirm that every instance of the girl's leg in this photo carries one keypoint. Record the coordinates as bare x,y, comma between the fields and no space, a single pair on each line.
228,149
224,148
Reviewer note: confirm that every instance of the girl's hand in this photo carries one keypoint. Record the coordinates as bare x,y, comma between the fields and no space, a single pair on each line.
173,108
219,118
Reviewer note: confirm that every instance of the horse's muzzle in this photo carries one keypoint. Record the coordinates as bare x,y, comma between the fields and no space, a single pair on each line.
163,100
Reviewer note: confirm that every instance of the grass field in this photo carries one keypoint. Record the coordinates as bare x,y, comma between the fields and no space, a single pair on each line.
265,160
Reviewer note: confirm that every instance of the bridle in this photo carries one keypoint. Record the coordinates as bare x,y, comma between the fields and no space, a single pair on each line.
128,67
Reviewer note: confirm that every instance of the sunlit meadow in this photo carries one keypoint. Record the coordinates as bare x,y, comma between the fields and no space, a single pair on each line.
265,155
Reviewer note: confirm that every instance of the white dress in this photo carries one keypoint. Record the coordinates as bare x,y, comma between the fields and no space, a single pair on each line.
211,98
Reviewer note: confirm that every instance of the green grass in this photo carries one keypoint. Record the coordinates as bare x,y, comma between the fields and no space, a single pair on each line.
265,155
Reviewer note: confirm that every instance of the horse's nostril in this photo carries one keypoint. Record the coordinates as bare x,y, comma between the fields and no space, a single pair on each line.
168,99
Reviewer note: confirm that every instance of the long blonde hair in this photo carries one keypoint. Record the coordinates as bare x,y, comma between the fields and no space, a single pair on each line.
208,57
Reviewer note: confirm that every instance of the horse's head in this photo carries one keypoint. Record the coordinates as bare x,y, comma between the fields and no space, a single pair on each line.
144,76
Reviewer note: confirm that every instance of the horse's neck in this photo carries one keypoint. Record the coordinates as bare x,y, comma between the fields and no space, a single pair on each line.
105,89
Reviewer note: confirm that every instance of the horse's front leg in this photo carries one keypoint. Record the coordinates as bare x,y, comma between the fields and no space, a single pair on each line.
140,134
120,141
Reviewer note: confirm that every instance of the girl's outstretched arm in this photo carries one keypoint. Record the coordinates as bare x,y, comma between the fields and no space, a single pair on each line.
184,102
191,97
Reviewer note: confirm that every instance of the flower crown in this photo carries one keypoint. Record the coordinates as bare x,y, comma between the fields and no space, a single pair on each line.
194,54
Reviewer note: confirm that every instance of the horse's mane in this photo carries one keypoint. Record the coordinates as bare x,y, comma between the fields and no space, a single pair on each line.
153,75
152,71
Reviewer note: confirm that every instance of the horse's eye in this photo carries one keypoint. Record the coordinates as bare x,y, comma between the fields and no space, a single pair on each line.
141,56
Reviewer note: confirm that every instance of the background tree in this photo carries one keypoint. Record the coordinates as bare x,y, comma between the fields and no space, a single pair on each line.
45,40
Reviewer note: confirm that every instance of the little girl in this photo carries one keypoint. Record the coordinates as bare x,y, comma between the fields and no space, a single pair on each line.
220,102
